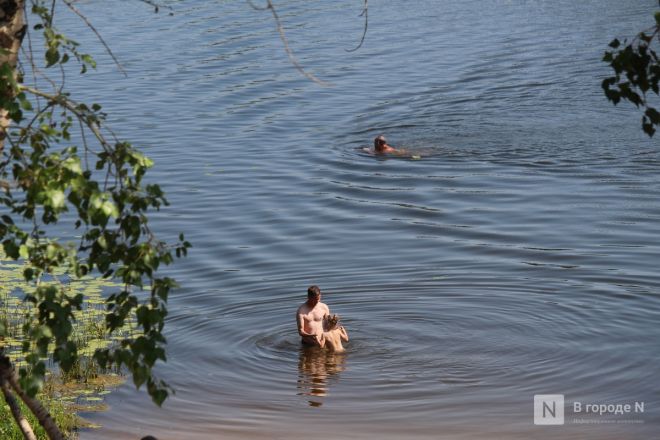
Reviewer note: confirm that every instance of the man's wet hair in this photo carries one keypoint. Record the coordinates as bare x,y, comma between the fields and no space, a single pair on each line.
313,291
379,140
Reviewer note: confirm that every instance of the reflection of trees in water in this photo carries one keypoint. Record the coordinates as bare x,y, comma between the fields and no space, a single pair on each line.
315,369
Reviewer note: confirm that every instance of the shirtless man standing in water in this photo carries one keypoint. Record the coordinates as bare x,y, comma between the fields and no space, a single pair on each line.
311,316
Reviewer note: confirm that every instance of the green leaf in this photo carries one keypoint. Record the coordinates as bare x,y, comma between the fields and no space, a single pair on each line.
24,251
10,249
73,164
28,274
51,251
159,397
56,199
653,115
24,102
647,127
52,56
140,376
87,59
110,209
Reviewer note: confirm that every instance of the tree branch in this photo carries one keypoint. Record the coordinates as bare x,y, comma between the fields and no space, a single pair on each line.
21,421
98,35
156,5
9,376
365,13
285,41
70,105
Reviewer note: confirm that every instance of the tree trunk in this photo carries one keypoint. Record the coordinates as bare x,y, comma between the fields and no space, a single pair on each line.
21,421
12,31
9,376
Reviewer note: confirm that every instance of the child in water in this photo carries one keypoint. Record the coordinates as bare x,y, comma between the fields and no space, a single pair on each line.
333,335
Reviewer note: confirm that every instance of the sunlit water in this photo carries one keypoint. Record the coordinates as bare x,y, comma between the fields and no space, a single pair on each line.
517,257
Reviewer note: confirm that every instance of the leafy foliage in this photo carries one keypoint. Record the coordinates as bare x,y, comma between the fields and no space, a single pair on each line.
84,385
636,73
50,173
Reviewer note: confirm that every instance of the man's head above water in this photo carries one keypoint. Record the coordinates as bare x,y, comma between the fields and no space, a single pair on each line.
380,145
379,141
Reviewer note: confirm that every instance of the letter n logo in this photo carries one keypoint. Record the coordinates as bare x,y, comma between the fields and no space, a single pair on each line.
548,409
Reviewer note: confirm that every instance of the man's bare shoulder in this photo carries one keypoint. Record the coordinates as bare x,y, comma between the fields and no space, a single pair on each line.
303,308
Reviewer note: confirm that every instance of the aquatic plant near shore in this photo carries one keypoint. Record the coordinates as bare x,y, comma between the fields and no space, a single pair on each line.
65,393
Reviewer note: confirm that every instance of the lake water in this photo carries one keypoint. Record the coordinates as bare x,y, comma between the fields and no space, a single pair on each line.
519,256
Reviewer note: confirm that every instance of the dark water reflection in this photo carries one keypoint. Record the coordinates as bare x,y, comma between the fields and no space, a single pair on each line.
318,369
518,256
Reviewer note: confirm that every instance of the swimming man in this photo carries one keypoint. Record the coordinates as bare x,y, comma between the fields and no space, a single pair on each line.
381,147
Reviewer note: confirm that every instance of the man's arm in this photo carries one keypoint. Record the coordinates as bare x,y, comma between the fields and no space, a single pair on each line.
300,322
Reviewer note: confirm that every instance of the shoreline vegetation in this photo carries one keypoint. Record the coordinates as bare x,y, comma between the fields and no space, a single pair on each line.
65,394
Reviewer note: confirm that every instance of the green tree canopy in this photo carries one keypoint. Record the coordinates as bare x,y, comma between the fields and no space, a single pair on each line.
60,163
636,73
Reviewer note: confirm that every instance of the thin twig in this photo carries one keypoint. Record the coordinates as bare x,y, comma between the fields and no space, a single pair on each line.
62,80
31,57
255,7
98,35
112,133
85,146
72,106
36,70
156,5
365,13
28,127
52,14
285,41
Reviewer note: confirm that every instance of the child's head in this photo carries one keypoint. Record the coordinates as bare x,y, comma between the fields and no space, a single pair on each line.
332,321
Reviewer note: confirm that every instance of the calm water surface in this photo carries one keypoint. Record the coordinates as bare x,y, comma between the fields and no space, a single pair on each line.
519,256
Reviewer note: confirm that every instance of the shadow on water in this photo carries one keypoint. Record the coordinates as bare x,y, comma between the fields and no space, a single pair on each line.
317,369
